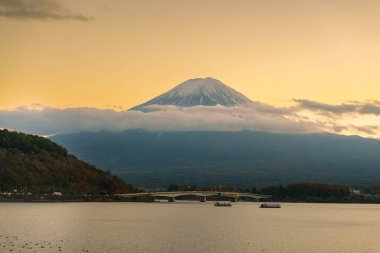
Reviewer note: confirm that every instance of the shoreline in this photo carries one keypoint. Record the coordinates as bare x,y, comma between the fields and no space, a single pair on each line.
105,200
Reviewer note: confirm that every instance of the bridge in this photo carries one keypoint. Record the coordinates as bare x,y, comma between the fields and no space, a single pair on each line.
235,196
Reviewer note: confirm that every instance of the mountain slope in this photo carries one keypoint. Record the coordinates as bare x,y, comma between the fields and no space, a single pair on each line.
200,91
35,164
238,158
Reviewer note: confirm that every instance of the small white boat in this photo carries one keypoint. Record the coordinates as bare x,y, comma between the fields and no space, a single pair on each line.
270,205
223,203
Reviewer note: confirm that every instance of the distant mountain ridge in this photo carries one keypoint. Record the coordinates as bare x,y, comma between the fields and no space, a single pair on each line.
200,91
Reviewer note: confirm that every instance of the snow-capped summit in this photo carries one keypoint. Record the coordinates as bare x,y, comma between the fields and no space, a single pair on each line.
200,91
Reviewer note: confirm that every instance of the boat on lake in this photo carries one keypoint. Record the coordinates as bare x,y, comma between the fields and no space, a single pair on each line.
270,205
223,203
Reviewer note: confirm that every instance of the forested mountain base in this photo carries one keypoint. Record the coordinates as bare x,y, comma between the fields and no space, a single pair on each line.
34,164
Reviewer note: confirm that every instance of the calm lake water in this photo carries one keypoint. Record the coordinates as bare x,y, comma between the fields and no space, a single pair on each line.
188,227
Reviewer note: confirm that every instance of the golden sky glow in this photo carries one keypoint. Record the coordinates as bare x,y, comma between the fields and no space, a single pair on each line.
271,50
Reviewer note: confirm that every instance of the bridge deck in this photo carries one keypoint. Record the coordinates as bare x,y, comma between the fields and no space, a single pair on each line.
196,193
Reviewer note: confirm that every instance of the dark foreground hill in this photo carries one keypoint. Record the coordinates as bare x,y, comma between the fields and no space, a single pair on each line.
242,158
34,164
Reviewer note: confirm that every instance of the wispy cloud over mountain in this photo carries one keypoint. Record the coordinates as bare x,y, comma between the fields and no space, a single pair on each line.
368,107
316,106
38,9
371,108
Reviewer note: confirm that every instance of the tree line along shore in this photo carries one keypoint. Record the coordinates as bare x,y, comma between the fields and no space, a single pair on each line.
297,192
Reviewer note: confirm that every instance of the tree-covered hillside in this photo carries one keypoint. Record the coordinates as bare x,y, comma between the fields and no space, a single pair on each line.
34,164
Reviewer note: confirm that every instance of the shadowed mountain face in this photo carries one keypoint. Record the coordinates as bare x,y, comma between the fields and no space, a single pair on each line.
236,158
200,91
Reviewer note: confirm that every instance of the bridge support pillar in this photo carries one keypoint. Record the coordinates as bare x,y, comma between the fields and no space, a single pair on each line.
171,199
202,199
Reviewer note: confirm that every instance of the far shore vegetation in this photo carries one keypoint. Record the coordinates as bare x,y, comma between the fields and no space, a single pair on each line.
297,192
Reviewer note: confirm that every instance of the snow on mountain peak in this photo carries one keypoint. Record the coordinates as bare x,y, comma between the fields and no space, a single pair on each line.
199,91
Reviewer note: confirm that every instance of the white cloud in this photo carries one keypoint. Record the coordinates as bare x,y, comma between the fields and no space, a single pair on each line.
259,117
53,120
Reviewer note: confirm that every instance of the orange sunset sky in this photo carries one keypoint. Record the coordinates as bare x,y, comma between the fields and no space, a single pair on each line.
122,53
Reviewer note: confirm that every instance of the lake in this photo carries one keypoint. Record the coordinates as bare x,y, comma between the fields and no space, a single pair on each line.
188,227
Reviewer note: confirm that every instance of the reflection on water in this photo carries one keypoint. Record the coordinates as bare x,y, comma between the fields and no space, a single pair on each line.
188,227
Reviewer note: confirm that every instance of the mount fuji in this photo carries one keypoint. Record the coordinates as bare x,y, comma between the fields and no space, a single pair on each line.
200,91
239,158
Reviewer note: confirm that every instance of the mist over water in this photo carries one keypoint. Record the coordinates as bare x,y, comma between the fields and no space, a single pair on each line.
188,227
